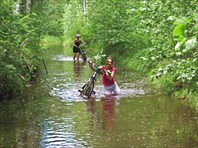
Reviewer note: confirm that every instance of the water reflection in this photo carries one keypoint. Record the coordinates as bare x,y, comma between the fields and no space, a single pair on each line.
91,108
108,112
76,69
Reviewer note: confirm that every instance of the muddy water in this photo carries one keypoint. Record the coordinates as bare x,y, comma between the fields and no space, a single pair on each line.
54,115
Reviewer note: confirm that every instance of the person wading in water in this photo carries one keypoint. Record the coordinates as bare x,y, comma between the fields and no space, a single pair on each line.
108,81
76,49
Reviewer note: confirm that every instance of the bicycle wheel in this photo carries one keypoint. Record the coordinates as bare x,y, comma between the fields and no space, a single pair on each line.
84,57
89,89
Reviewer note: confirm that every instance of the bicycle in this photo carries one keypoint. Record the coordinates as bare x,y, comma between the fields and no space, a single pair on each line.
83,54
88,88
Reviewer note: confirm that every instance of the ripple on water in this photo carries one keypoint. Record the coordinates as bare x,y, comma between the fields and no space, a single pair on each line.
70,94
62,57
58,134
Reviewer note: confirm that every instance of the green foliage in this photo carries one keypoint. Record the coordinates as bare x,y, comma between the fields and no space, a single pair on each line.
15,31
109,27
166,83
21,31
174,41
19,44
114,27
49,16
179,30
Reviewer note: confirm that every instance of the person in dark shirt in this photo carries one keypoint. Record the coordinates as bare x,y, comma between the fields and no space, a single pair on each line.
76,45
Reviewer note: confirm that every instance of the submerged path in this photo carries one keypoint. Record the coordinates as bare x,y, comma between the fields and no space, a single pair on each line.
55,115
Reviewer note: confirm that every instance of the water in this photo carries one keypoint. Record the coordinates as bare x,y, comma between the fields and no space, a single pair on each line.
53,115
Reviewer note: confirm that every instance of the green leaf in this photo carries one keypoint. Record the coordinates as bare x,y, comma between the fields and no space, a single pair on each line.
10,67
179,30
182,40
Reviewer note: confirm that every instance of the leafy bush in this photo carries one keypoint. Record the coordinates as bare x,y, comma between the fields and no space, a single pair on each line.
174,41
17,47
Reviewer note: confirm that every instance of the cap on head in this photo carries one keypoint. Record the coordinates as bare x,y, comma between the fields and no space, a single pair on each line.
78,35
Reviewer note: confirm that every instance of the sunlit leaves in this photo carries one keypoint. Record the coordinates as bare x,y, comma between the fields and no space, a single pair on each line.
174,41
195,17
181,40
182,21
179,30
190,44
171,18
99,56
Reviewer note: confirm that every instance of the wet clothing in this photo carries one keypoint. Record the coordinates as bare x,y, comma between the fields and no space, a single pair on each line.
77,43
105,79
76,49
110,85
112,88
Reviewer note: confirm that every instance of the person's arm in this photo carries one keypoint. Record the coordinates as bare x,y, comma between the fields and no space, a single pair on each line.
110,74
82,42
91,65
100,67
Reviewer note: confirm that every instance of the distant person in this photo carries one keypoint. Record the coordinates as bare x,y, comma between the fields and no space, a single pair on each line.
76,45
108,81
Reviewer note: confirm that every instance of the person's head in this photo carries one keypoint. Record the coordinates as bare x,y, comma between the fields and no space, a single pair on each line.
109,61
77,36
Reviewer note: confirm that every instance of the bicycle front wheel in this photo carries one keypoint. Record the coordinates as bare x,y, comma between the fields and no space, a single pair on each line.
89,89
84,57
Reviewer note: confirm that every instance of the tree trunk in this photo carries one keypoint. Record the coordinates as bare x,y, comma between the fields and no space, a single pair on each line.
86,10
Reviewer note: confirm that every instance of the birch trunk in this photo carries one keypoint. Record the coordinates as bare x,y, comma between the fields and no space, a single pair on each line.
86,10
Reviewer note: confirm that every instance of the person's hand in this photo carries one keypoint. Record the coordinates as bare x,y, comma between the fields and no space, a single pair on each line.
107,72
90,63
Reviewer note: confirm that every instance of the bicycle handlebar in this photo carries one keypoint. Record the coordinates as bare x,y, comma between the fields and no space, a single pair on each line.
95,68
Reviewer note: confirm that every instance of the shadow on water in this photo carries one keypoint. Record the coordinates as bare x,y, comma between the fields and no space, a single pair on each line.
140,117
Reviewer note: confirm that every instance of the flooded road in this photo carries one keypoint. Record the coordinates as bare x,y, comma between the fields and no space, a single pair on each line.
55,116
